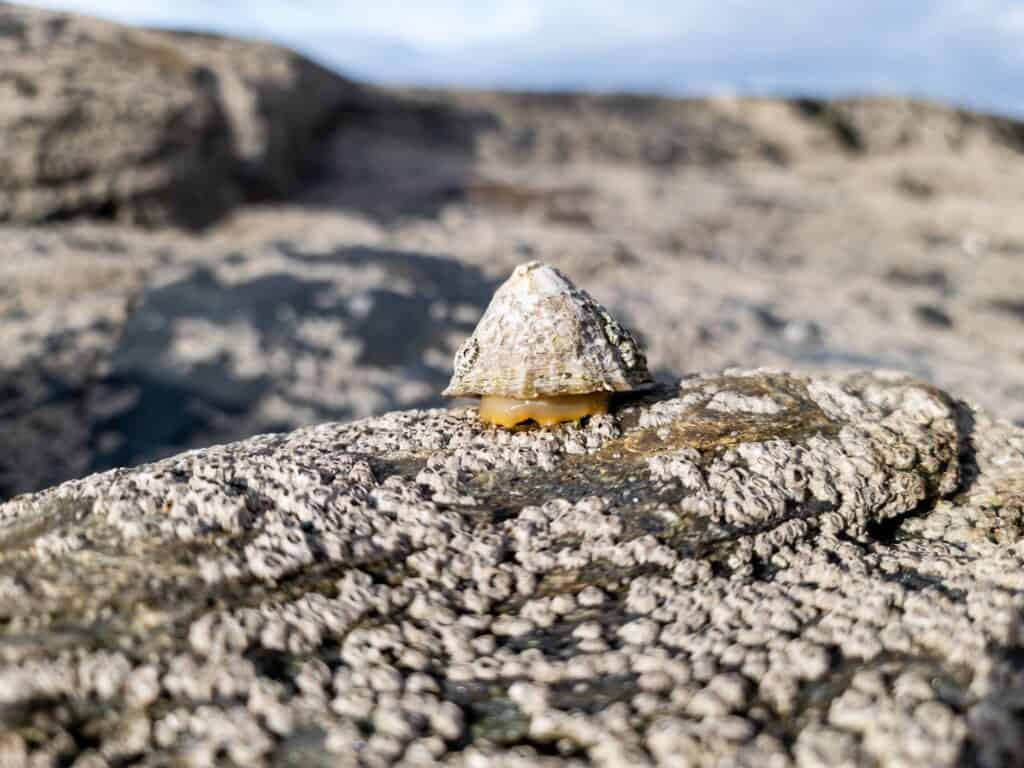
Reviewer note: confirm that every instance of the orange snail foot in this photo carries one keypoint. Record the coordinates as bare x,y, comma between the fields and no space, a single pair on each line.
509,411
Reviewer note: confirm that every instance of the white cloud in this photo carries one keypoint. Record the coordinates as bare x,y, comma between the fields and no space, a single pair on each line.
446,25
966,50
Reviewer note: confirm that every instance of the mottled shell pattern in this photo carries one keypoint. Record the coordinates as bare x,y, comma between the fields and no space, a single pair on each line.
541,336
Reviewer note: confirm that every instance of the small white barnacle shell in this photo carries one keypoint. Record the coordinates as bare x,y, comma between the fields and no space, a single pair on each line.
545,350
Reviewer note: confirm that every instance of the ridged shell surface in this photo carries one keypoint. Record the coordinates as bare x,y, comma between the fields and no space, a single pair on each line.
541,336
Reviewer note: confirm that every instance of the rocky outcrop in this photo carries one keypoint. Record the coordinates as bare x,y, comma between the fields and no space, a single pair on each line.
666,132
879,233
157,127
152,127
753,568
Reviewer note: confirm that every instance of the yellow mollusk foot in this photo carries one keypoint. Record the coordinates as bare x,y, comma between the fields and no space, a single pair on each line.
509,411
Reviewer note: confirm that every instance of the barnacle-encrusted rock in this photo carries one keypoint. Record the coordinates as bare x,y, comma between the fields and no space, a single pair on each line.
755,568
545,350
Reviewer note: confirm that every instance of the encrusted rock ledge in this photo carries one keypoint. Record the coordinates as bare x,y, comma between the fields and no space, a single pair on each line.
758,568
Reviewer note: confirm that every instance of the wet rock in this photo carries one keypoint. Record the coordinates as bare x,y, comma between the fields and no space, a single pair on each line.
834,578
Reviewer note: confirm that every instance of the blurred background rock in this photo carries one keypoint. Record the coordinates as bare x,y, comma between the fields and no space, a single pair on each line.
205,238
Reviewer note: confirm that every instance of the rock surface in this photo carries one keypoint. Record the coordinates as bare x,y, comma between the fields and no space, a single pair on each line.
767,236
152,127
754,568
127,355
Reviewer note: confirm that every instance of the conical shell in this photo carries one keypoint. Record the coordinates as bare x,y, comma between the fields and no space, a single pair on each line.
541,336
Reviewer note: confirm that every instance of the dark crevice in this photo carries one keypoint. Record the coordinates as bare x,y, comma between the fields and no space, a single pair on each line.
1003,693
963,418
887,530
915,581
827,114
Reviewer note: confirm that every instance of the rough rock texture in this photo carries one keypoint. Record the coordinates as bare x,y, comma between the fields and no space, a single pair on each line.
872,233
750,568
149,126
754,568
128,354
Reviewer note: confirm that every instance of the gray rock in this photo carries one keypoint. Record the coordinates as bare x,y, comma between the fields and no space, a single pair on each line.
832,580
878,233
152,127
752,568
123,346
132,359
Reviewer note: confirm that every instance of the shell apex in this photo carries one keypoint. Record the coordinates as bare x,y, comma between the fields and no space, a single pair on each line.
541,336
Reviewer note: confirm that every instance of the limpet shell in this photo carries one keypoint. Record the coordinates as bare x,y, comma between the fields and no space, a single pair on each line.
541,336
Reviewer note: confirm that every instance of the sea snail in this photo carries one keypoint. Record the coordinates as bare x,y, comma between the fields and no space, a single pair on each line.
545,350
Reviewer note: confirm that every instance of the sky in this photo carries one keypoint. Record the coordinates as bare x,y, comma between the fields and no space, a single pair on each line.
968,52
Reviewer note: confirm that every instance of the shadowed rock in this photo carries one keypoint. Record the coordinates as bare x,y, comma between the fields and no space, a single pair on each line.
237,344
750,568
152,127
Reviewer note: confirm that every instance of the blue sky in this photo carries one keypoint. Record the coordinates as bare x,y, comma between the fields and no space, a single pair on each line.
969,52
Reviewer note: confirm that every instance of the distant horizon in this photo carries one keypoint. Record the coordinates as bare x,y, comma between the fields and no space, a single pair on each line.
964,53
